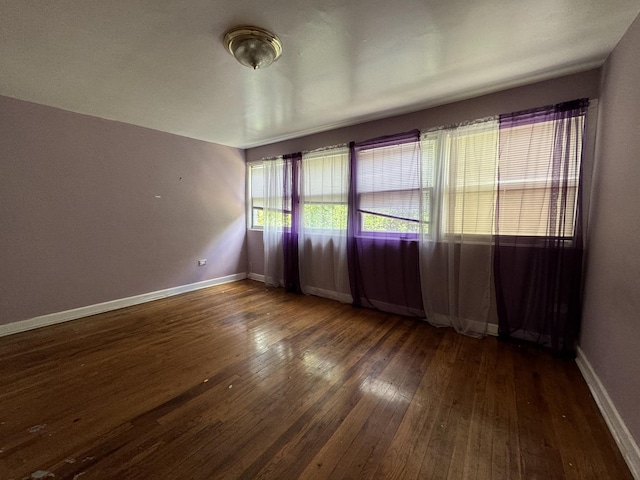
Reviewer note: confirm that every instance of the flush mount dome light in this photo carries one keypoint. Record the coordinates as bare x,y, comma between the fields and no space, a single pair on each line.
253,46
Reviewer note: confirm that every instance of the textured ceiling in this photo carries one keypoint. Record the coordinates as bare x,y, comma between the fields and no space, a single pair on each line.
161,63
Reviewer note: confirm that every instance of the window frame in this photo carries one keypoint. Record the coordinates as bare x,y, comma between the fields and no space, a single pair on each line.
363,232
249,195
360,212
441,233
438,223
334,154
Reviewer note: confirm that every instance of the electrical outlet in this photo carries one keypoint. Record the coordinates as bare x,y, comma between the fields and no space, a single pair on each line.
202,262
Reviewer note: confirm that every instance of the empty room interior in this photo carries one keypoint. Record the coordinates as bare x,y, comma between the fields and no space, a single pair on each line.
393,240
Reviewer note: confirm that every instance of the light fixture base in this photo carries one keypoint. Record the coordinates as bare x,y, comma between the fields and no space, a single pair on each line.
253,47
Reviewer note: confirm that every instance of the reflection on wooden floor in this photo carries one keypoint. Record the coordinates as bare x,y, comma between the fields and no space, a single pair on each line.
240,381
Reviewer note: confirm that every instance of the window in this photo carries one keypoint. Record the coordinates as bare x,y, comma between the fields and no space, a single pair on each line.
388,186
256,196
459,170
530,190
444,185
324,190
460,167
259,175
274,208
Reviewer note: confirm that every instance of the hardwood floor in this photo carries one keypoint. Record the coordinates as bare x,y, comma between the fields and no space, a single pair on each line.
238,381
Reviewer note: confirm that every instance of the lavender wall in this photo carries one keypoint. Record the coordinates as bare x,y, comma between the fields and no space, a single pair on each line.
255,245
543,93
611,321
81,223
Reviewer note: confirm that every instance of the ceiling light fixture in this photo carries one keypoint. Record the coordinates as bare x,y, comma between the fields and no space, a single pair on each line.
252,46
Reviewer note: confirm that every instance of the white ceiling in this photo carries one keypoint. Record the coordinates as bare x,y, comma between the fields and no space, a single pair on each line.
161,63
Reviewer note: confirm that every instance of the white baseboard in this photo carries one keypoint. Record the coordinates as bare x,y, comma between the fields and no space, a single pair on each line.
321,292
492,329
473,328
67,315
626,443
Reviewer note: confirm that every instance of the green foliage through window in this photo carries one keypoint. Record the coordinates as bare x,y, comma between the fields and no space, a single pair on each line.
325,216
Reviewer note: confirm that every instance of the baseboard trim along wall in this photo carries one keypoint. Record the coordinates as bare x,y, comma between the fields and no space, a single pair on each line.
491,328
256,276
626,443
67,315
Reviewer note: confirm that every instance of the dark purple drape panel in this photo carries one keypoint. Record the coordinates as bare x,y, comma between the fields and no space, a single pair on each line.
538,279
353,259
291,195
383,268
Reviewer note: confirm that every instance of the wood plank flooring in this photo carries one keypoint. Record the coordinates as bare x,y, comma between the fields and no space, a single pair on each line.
243,382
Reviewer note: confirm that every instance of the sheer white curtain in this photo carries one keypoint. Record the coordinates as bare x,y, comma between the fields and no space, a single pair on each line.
322,247
458,185
275,218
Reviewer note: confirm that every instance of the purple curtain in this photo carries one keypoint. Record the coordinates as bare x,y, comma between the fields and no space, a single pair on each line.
538,275
383,265
291,196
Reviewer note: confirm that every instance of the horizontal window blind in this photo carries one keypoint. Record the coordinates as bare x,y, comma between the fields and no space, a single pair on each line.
460,165
448,181
388,185
324,189
533,159
256,195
